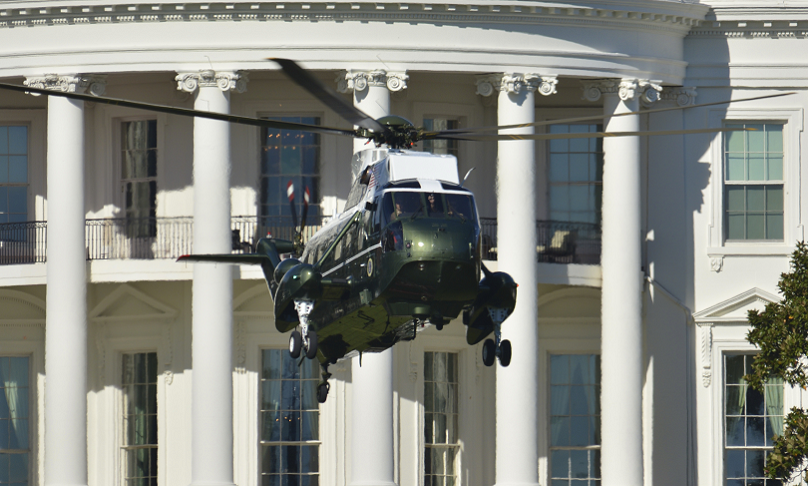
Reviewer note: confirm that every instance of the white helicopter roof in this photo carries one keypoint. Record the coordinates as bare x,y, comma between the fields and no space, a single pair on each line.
406,164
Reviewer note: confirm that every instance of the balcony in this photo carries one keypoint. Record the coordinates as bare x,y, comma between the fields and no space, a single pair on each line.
556,241
170,238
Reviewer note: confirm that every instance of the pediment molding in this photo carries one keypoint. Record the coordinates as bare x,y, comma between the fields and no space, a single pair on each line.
734,309
555,306
253,302
21,309
638,16
126,303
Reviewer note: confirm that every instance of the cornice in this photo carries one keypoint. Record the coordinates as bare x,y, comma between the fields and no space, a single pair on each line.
629,19
752,29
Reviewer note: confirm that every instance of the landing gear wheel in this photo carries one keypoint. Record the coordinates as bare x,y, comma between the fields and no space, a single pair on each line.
505,352
311,344
322,392
489,352
295,344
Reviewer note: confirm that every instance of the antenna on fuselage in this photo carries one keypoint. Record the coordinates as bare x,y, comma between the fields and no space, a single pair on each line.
467,176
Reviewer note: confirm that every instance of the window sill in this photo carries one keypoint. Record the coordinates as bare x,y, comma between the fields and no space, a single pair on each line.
751,249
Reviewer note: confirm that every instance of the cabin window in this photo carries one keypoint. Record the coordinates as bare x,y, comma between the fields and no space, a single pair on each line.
139,177
289,155
290,420
13,174
15,416
139,448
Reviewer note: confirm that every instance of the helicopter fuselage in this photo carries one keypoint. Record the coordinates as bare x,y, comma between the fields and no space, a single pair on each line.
410,256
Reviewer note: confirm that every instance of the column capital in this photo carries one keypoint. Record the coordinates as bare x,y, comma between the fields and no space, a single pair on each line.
627,89
69,83
516,83
683,96
358,80
208,78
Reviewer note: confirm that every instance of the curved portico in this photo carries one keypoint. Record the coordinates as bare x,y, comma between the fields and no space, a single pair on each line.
617,53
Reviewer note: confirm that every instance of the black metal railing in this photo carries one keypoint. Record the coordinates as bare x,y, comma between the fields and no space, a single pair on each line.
141,238
169,238
23,242
556,241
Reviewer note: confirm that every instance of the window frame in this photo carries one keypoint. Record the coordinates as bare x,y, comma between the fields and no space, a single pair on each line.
721,347
458,446
117,183
260,443
299,191
598,385
598,184
32,413
34,349
792,121
123,448
36,121
583,344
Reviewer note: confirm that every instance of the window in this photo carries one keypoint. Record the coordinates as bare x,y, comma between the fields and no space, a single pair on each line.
139,176
575,419
15,450
139,449
448,147
290,418
13,174
289,155
441,443
575,175
753,182
751,419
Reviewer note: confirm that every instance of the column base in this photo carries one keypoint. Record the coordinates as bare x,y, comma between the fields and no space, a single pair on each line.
208,483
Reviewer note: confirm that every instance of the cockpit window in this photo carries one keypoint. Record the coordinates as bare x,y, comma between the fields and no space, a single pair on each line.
412,205
399,205
460,206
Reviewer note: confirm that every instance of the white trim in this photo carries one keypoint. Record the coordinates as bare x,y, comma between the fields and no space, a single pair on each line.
792,118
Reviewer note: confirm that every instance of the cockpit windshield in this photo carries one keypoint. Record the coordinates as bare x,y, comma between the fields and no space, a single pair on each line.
412,205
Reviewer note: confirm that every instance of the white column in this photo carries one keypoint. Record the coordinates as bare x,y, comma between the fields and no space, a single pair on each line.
66,321
517,385
212,328
621,296
372,440
371,93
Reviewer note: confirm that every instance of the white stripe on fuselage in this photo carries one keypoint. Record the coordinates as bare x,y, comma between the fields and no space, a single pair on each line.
358,255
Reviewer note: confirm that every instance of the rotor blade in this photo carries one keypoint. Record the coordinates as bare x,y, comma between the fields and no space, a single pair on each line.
327,96
306,197
563,136
561,121
240,120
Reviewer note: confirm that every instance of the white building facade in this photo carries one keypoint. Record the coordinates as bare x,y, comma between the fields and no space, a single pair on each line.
637,258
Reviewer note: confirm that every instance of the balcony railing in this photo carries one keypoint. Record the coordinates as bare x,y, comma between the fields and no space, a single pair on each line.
556,241
169,238
140,238
23,242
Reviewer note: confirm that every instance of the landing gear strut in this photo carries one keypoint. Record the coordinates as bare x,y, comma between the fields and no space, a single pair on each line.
305,338
497,348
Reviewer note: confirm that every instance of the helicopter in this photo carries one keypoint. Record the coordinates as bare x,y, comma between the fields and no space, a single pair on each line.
404,253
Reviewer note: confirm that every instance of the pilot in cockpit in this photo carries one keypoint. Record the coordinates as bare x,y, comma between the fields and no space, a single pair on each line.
434,205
